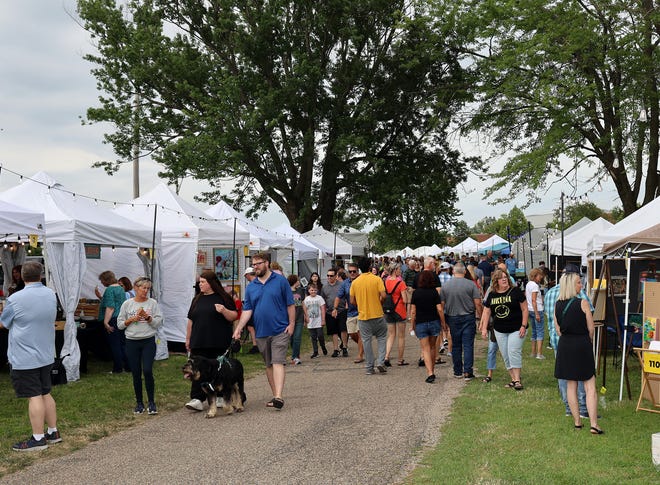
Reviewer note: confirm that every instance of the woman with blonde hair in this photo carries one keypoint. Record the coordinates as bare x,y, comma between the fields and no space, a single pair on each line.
508,307
396,322
575,358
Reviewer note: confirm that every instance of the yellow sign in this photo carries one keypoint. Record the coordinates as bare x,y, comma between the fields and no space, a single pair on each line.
652,362
34,240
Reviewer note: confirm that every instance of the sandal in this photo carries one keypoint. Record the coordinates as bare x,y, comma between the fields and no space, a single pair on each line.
595,430
402,362
276,403
358,361
487,379
518,386
510,385
439,361
577,426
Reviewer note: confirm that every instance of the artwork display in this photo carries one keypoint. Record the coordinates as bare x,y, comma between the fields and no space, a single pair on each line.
618,286
644,277
224,261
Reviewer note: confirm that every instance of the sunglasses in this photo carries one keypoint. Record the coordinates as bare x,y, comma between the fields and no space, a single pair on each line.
352,271
331,275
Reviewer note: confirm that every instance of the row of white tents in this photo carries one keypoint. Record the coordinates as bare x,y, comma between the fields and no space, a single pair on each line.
467,246
160,221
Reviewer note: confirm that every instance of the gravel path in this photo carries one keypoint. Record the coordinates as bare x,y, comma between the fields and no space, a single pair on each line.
338,426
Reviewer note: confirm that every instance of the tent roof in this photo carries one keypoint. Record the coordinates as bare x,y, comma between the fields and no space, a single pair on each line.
70,218
646,243
20,220
575,243
643,218
578,225
468,245
332,244
300,242
180,220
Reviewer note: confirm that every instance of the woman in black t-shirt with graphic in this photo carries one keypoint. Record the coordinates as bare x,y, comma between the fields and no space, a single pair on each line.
210,327
508,307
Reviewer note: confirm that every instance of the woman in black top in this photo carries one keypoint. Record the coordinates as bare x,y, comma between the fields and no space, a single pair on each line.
508,306
426,316
210,327
575,357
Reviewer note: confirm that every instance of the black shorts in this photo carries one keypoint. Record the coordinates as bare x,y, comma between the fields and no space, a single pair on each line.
31,382
334,326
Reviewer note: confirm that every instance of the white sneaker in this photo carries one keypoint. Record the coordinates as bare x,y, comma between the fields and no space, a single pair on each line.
296,361
195,405
219,401
540,357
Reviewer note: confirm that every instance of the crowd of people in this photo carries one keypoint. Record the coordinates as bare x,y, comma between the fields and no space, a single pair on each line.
445,302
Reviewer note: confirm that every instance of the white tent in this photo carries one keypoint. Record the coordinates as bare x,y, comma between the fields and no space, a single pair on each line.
576,242
424,251
260,239
184,227
72,222
643,218
17,223
468,245
334,243
491,242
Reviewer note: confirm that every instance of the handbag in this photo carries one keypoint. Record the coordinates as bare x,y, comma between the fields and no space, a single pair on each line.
58,372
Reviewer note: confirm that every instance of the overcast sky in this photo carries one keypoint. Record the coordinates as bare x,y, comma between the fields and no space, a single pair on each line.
46,86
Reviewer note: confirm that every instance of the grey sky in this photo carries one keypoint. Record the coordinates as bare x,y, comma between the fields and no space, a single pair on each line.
46,86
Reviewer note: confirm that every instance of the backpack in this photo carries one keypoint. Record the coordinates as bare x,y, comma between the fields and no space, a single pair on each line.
388,301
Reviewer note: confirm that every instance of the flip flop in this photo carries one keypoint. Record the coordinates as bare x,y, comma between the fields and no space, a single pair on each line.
403,362
511,385
487,379
358,361
278,403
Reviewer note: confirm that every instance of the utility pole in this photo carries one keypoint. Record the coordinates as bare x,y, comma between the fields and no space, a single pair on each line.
136,146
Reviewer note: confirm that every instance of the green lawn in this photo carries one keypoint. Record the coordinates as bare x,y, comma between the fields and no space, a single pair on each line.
498,435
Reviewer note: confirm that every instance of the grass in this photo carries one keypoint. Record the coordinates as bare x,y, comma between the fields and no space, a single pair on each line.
97,405
497,435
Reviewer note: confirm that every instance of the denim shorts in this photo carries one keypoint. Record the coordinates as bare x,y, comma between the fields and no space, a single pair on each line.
427,329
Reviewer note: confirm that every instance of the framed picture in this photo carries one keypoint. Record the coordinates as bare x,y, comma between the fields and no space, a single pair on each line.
646,276
224,263
618,286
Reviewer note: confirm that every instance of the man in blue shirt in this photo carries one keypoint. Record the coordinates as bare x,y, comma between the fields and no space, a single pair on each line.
343,301
549,302
268,298
29,315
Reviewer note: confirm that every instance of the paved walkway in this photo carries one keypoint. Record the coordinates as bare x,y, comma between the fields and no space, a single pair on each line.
338,426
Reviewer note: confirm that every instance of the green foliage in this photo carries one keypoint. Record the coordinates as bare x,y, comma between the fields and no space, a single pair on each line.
573,213
327,109
514,221
566,80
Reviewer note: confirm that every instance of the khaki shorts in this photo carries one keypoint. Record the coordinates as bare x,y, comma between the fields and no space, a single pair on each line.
352,325
273,349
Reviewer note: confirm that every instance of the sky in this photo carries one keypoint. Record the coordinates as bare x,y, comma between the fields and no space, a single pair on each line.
46,87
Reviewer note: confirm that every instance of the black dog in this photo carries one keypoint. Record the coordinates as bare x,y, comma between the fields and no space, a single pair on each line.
221,377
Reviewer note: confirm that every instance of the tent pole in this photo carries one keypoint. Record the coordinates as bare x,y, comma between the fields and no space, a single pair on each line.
234,261
624,351
153,250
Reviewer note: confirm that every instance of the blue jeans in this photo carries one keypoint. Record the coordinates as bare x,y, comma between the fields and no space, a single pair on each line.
295,340
538,330
582,395
375,327
117,342
491,360
141,354
463,329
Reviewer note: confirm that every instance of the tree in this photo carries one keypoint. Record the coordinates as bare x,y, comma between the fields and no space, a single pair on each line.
513,223
573,213
324,108
574,80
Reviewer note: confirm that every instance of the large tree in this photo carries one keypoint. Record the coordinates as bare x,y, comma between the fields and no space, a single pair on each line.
574,80
336,111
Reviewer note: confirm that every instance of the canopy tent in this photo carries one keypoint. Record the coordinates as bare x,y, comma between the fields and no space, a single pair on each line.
643,218
423,251
576,241
184,228
17,223
644,244
334,242
492,242
70,223
468,245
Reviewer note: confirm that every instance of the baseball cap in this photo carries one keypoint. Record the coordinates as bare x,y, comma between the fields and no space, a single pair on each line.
248,270
445,265
571,268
